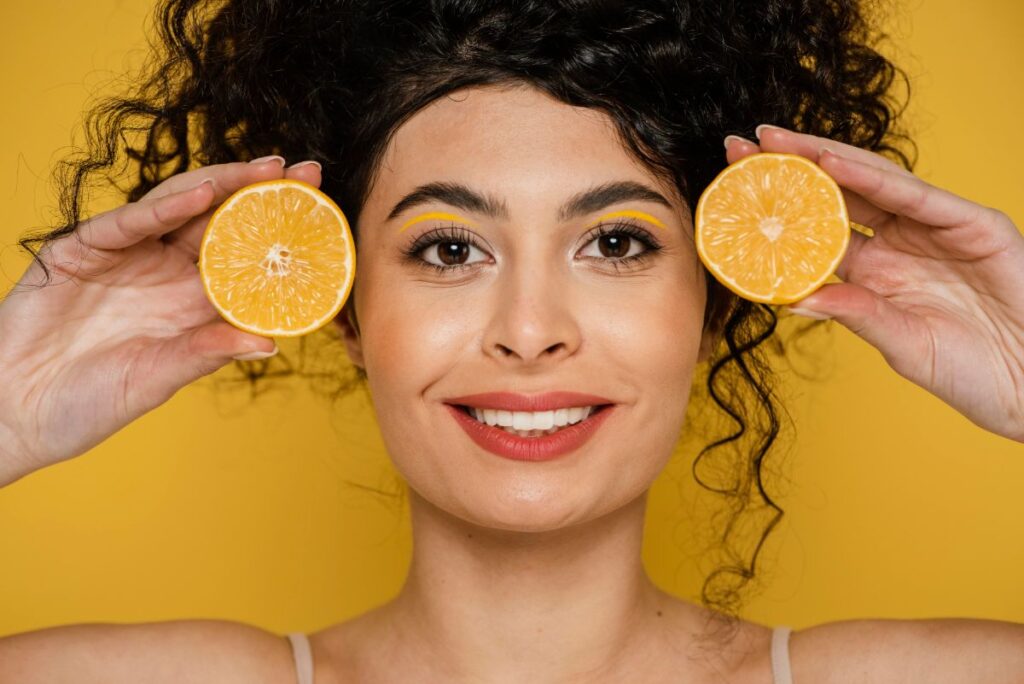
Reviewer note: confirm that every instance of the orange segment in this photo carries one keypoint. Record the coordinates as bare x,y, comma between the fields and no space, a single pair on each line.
278,258
772,227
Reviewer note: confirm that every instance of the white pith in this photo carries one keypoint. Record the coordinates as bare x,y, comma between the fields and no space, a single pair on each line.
532,420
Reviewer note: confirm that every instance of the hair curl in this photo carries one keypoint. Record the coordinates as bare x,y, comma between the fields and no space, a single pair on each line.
332,80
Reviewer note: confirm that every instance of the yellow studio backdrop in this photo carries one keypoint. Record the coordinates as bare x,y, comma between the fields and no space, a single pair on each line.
212,507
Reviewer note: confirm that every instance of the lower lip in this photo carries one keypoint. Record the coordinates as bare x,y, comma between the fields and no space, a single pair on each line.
543,448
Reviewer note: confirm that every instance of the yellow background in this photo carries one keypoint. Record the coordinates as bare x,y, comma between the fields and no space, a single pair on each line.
206,507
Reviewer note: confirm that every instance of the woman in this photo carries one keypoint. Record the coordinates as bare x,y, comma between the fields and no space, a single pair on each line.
525,123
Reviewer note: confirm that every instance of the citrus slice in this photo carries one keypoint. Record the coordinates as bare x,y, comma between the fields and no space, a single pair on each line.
772,227
278,258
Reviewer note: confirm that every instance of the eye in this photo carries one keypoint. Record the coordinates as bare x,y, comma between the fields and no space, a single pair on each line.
443,250
621,244
448,249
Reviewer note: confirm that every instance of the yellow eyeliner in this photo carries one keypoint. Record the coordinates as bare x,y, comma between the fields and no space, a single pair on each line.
631,214
434,215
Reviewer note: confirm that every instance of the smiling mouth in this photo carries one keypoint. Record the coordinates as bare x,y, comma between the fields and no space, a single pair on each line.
535,433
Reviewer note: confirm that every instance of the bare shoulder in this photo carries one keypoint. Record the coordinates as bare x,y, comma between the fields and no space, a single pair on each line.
938,651
174,651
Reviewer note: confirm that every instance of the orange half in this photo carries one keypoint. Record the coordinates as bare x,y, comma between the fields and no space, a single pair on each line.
278,259
772,227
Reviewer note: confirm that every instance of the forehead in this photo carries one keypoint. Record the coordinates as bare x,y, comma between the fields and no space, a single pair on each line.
515,142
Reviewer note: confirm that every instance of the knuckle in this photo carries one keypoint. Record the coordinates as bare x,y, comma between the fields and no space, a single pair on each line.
71,258
916,200
997,216
875,183
121,222
160,212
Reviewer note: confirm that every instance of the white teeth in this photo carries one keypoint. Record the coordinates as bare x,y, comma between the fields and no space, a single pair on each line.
531,421
538,420
545,420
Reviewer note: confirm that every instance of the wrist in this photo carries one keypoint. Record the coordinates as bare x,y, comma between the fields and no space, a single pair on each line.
14,461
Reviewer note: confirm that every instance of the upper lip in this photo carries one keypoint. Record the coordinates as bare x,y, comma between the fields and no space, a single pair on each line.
510,401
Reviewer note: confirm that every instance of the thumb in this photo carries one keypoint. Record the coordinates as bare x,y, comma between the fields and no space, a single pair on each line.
209,347
866,313
165,368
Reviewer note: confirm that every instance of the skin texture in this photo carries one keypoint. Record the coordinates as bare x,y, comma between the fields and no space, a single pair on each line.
502,547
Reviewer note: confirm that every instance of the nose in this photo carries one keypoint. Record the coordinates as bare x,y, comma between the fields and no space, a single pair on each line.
532,320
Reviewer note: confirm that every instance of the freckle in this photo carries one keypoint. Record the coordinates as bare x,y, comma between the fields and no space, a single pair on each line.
659,613
469,534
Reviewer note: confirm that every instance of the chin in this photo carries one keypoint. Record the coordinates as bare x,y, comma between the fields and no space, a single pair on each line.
527,508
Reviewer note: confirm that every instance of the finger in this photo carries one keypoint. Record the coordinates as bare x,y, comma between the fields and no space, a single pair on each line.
132,223
737,148
866,313
189,236
219,341
180,360
169,205
864,212
859,209
775,139
307,171
227,178
902,195
849,260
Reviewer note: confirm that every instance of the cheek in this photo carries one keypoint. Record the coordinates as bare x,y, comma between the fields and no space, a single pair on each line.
655,325
412,338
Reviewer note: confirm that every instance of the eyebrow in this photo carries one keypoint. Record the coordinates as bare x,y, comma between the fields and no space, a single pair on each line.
580,204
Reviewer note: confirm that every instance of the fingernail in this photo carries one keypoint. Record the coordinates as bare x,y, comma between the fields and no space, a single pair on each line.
732,138
269,157
763,127
308,162
256,355
807,313
204,182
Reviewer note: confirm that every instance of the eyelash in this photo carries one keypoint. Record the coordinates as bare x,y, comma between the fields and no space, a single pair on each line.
458,234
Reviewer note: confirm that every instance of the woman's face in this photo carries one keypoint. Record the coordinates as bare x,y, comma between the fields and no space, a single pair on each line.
536,305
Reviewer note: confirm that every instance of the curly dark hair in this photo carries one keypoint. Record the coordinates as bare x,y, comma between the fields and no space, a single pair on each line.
332,80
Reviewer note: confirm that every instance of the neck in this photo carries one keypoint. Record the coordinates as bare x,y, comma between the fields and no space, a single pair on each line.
567,605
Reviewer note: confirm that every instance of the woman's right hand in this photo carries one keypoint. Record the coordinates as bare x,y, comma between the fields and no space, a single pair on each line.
122,324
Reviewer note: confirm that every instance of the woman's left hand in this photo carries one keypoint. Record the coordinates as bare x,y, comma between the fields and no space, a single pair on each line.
938,289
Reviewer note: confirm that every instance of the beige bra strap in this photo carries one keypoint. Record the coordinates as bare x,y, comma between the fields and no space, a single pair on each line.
303,657
781,673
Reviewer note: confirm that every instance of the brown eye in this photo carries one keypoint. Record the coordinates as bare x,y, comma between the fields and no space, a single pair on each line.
613,246
618,246
444,252
452,253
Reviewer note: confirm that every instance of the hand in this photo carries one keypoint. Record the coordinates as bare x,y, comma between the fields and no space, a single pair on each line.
938,289
124,322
